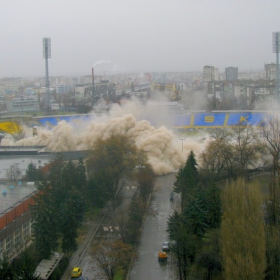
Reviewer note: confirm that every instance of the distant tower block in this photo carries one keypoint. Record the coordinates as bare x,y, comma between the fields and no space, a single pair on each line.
276,47
46,55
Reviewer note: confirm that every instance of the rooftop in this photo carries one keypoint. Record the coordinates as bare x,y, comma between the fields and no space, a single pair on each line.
11,194
22,161
46,267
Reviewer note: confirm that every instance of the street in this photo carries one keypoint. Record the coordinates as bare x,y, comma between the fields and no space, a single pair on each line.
147,266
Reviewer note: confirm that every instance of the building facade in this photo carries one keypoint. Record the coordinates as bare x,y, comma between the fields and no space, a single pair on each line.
22,104
231,73
270,71
209,74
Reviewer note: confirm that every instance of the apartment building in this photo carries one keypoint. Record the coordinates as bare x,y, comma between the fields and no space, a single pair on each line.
231,73
270,71
210,73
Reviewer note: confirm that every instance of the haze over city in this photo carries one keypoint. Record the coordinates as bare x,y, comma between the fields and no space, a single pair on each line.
135,36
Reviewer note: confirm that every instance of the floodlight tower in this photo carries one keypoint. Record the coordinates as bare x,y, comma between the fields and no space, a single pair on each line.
46,55
276,47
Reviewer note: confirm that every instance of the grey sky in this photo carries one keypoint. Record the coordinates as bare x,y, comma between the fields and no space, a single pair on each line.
136,36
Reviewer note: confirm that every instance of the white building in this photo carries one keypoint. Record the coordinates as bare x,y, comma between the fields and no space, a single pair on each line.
209,74
22,104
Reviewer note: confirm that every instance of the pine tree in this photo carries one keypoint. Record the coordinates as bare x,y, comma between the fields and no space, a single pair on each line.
187,179
5,269
71,217
81,178
44,227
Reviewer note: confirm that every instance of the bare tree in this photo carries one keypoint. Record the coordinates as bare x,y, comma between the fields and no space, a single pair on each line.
271,141
113,258
212,160
14,172
224,147
247,147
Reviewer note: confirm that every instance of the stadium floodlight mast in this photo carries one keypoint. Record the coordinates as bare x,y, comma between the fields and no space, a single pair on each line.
276,47
46,55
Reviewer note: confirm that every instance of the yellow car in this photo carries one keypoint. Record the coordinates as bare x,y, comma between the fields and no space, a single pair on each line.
76,272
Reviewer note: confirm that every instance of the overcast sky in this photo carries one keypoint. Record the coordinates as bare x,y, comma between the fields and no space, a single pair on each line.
135,35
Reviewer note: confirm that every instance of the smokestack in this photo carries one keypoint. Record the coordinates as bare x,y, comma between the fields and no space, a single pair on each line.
93,99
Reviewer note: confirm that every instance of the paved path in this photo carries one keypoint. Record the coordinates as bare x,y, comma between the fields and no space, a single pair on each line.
78,255
83,255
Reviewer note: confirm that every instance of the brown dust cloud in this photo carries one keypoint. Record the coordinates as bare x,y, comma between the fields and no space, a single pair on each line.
148,126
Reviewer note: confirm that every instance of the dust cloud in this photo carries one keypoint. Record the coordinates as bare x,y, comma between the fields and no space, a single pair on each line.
165,151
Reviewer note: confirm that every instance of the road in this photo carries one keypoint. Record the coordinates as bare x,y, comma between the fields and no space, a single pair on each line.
154,233
106,230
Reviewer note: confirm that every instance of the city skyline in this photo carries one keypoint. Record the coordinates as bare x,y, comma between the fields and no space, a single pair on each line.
136,36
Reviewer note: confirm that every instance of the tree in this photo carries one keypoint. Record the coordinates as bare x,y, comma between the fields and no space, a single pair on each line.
212,201
242,231
58,188
145,178
213,162
208,260
272,252
114,157
131,232
100,189
271,141
71,216
195,215
69,178
14,172
247,147
113,258
184,243
222,139
26,267
187,179
32,173
81,178
5,269
44,226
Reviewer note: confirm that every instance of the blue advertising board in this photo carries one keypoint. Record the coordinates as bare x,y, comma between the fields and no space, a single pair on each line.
53,120
192,120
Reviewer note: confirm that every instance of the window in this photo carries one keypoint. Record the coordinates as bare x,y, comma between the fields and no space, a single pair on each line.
25,231
9,244
17,237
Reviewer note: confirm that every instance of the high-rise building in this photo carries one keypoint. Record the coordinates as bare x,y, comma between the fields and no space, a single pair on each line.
231,73
209,74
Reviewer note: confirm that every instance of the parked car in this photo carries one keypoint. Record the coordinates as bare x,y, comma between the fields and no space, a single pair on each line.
165,246
76,272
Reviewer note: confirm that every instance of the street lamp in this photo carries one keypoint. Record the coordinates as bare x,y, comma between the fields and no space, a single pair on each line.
182,139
